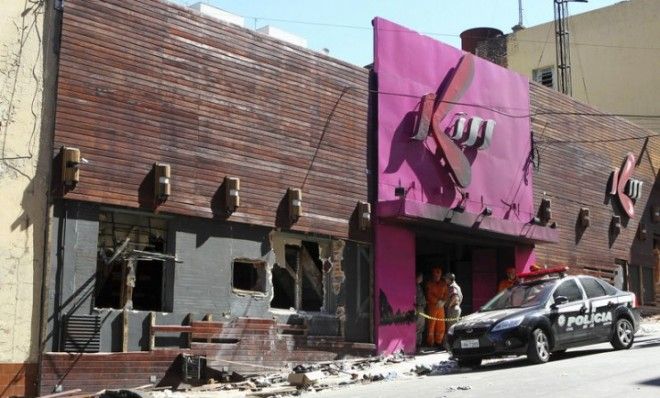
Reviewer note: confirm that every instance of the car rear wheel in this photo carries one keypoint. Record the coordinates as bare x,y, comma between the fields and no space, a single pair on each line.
623,334
469,362
538,350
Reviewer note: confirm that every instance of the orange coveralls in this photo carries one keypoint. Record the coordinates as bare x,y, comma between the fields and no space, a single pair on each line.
505,284
436,291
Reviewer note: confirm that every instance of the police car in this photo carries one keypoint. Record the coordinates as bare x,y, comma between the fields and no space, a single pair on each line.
544,314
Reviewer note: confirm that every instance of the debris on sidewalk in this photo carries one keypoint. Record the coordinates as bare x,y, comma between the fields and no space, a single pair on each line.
303,378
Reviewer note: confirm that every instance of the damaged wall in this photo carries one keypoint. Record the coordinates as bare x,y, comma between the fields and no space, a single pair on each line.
202,279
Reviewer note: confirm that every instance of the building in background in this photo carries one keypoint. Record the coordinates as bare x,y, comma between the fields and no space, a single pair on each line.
27,76
614,56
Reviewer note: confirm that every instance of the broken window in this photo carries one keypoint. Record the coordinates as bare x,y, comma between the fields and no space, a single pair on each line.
249,275
134,270
298,283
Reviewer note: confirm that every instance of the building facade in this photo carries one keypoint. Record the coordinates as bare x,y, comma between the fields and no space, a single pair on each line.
212,200
479,170
27,76
605,44
206,194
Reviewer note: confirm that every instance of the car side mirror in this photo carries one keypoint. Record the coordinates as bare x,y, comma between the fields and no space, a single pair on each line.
559,300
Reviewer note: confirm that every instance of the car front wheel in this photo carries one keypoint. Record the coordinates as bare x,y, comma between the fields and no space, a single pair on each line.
623,334
538,350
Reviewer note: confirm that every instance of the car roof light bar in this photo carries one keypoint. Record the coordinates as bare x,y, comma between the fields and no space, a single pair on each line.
559,271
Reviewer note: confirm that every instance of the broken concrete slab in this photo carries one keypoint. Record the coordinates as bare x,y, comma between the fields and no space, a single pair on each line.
305,379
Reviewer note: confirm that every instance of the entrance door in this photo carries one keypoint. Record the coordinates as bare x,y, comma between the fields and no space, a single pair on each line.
484,276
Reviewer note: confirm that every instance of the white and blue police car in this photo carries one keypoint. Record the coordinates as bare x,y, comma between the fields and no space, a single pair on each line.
544,314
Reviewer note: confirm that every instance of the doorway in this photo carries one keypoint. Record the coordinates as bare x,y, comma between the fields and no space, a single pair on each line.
479,264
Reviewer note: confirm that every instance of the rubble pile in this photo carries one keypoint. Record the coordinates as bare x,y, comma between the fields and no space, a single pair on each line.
302,378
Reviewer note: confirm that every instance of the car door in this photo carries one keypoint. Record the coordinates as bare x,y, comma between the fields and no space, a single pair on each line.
568,317
601,306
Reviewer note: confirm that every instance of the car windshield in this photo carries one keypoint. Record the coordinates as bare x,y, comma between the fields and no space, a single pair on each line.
520,296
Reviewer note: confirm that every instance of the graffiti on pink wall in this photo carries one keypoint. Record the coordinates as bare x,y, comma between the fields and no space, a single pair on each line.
395,287
453,129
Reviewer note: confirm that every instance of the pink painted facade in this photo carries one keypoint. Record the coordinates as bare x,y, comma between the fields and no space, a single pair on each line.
407,67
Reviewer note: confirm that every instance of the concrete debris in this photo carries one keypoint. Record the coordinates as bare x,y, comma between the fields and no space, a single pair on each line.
459,388
125,394
438,369
305,379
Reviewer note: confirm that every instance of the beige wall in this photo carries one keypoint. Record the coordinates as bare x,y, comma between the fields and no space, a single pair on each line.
24,154
613,67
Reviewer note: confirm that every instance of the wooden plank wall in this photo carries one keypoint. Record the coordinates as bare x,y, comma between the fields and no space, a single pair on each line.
574,173
144,80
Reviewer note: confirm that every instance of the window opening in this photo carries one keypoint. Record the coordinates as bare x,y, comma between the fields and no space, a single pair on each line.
134,270
298,284
544,76
312,278
249,275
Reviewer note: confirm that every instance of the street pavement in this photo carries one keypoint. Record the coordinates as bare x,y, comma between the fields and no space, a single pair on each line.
592,371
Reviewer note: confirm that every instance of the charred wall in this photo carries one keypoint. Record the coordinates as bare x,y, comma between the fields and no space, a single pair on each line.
576,148
211,100
201,280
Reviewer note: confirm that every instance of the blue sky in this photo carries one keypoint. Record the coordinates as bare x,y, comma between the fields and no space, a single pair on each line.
350,37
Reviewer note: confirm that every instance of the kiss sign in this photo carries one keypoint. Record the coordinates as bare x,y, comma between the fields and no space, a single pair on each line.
433,112
625,188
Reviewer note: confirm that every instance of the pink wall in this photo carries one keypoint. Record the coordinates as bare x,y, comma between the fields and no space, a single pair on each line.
484,276
409,65
525,257
395,277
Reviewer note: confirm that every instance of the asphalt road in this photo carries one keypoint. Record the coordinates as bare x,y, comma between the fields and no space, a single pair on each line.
593,371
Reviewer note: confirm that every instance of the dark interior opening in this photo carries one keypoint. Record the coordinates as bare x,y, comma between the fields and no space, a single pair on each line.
479,265
284,279
249,276
298,284
312,278
109,287
148,291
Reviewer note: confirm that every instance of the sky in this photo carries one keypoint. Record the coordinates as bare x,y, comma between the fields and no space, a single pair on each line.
344,26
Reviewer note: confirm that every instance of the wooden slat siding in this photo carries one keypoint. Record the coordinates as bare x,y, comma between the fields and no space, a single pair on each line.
146,81
579,173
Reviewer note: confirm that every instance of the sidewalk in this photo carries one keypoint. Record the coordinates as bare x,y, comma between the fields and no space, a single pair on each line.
341,373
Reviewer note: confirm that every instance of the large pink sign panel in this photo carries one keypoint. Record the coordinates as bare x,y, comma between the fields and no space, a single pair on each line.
452,128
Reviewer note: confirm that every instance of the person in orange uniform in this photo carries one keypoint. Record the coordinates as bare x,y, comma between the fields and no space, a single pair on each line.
509,281
436,297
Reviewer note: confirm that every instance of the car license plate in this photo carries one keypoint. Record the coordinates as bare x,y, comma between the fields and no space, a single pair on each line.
473,343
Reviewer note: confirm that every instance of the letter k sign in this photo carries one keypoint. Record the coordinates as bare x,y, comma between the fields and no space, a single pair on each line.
434,110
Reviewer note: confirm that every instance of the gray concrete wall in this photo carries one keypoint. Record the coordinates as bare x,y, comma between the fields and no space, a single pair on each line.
202,279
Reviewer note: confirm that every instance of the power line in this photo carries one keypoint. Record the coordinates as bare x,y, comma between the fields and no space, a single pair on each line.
544,112
369,28
500,110
598,140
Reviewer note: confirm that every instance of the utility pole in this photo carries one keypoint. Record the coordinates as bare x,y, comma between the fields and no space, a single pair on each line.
520,25
562,46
